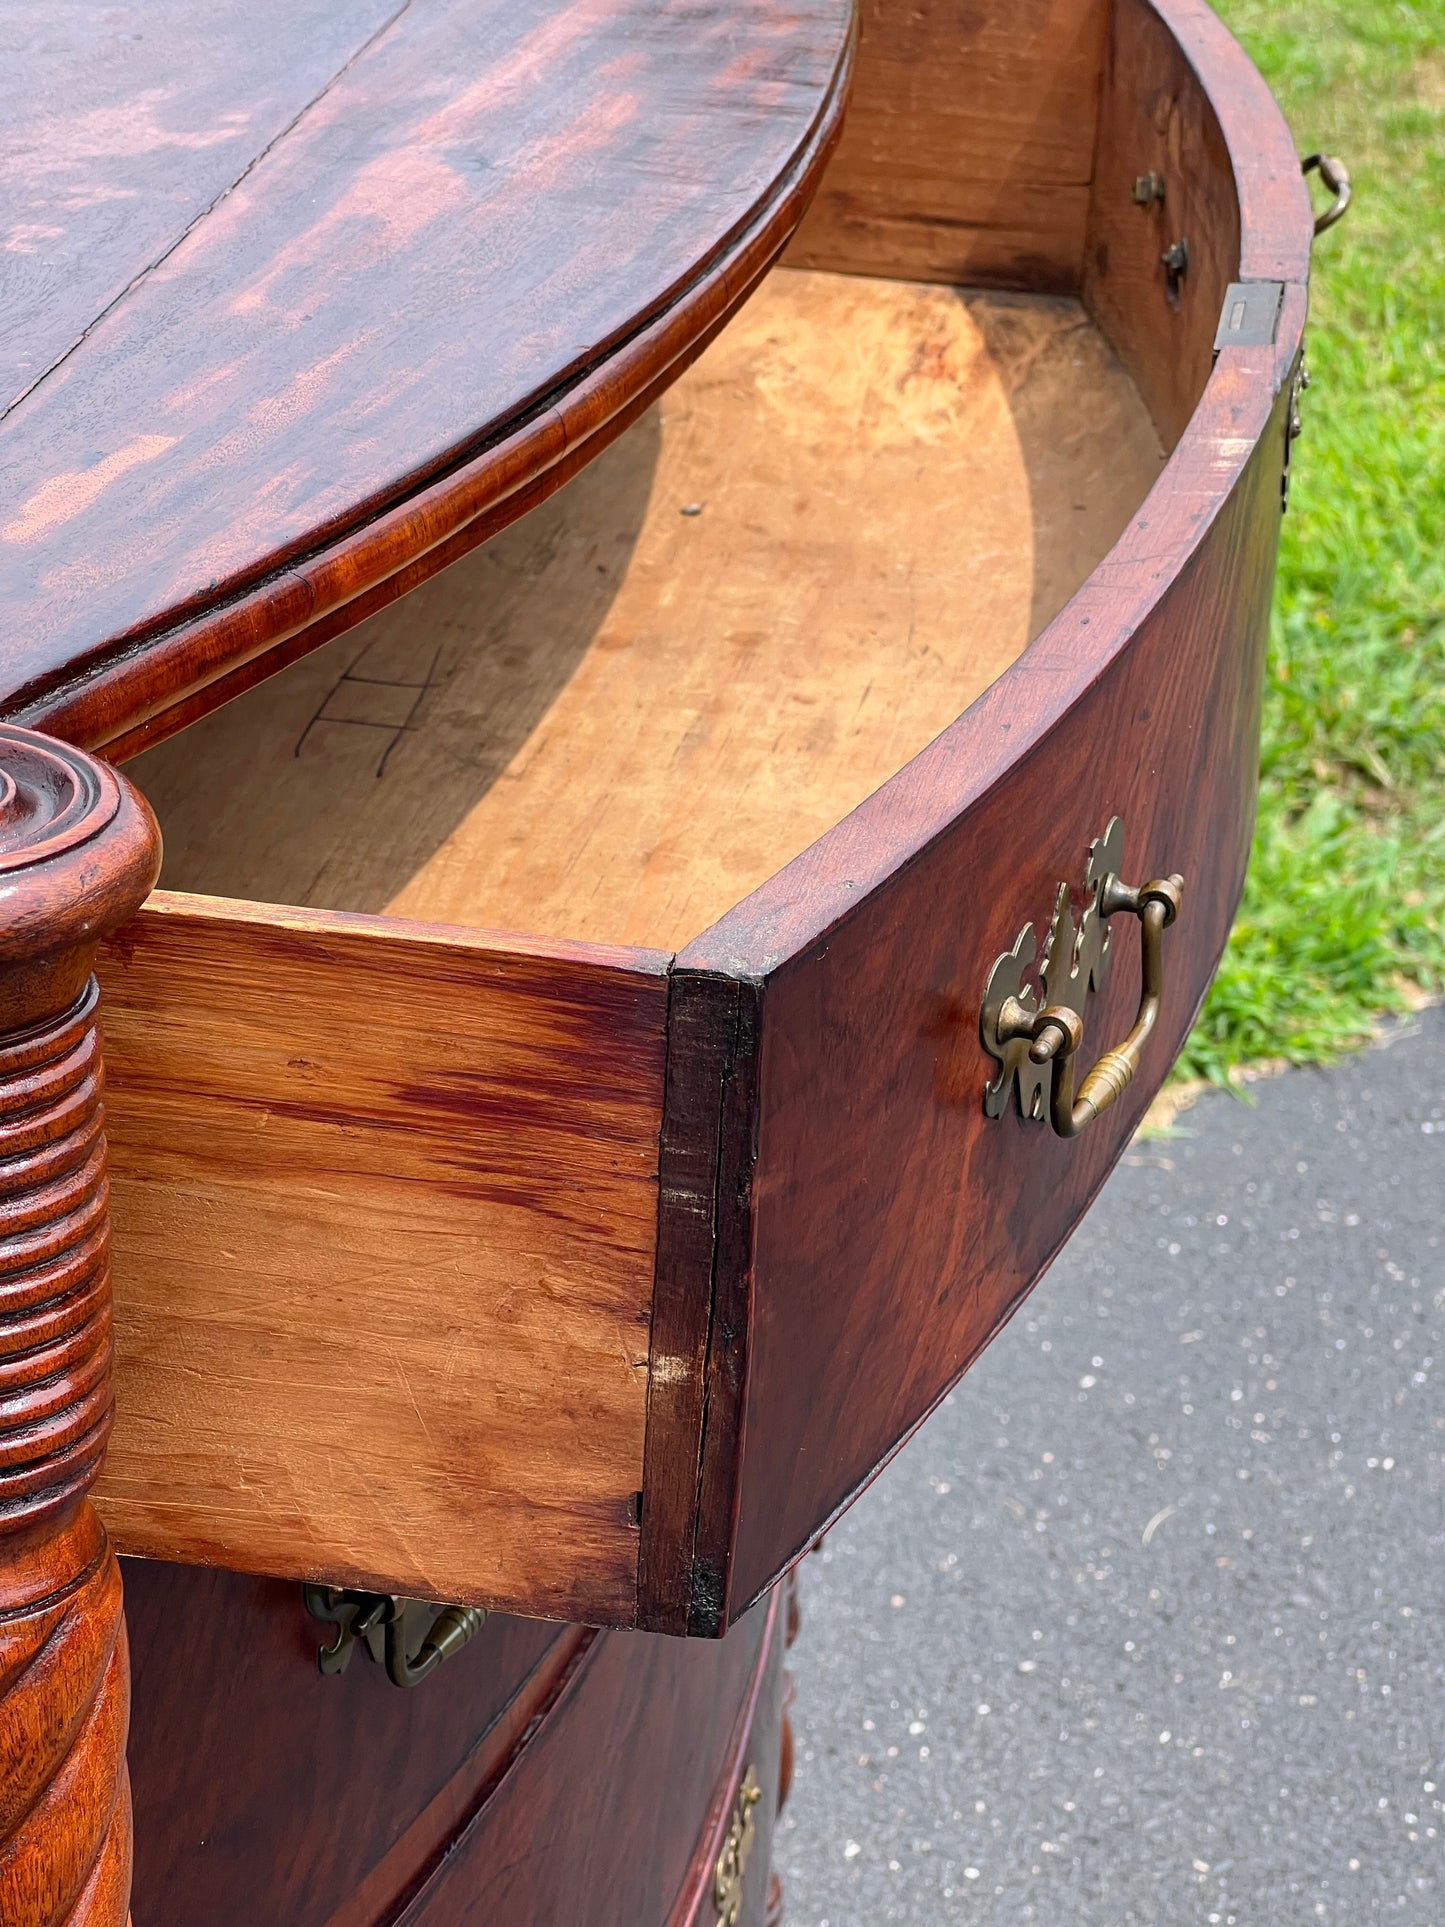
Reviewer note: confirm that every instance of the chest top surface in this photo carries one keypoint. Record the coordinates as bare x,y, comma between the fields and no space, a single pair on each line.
272,270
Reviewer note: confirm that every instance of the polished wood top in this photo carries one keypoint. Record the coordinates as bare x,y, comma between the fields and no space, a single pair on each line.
275,272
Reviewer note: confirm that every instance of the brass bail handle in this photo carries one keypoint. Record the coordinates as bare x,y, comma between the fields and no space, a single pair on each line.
1336,177
1058,1031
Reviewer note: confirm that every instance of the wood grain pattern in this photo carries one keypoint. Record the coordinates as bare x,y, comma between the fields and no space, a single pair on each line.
78,850
1175,102
839,1228
420,1848
881,1227
1156,118
120,126
870,1039
354,1788
618,718
618,1754
757,1744
674,1722
1276,223
388,326
389,1198
386,1203
969,147
702,1020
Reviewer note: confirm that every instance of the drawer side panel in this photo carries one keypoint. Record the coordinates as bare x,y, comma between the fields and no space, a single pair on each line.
385,1222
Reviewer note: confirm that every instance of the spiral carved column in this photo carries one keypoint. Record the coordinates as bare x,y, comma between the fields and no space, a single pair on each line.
78,852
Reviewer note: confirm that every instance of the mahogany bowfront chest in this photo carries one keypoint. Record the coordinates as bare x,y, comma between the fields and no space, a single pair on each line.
684,587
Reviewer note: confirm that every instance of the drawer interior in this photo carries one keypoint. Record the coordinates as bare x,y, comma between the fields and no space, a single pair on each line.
629,709
424,1279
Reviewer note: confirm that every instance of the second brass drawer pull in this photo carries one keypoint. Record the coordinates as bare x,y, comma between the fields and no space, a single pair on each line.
1336,177
409,1637
1036,1041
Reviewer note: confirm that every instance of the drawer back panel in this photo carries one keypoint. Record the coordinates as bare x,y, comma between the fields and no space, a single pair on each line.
385,1206
968,150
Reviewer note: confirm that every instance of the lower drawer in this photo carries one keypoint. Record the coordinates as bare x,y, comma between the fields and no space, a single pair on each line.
547,1774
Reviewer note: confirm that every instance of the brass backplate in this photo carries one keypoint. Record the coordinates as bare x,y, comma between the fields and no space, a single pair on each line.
732,1862
1075,962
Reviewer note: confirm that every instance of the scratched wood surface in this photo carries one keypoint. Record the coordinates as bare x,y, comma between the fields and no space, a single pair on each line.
344,268
385,1202
633,707
121,126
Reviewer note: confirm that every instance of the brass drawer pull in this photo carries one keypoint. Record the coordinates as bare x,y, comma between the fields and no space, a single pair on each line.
1336,177
1036,1043
409,1637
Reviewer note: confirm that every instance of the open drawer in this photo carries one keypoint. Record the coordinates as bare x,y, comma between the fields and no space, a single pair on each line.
589,1272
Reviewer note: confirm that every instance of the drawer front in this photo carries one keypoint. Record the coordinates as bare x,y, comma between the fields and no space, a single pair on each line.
874,1226
265,1791
866,1223
551,1774
591,1283
619,1809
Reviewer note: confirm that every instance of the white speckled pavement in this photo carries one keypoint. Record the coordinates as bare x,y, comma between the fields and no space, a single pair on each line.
1147,1625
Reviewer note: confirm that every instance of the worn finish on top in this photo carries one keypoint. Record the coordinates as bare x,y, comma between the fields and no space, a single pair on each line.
269,272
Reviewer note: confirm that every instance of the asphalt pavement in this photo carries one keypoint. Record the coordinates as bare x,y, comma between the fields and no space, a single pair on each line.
1147,1624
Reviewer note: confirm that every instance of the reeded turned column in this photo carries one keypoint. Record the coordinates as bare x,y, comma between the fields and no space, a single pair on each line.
78,852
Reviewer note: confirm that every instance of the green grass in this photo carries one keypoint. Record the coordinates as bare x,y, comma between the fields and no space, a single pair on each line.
1344,912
